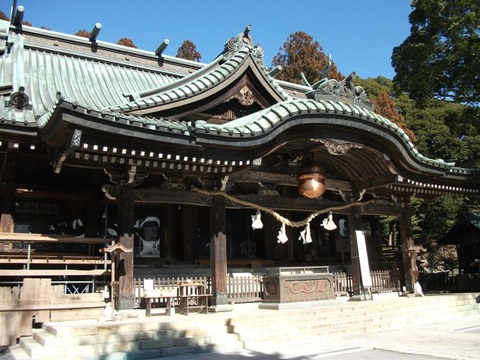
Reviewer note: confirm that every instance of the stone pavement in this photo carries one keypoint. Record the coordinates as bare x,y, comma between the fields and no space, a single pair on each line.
454,339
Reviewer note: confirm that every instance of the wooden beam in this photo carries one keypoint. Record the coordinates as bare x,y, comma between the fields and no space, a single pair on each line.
375,182
42,238
156,196
38,307
284,179
52,273
55,261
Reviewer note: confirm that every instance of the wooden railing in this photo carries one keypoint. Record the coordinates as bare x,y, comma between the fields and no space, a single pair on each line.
18,254
241,289
383,281
342,283
244,288
165,283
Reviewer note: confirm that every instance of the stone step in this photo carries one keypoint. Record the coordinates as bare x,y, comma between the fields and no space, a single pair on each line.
334,314
165,336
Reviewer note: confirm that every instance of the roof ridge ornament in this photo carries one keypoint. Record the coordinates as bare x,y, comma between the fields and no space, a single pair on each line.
343,90
236,43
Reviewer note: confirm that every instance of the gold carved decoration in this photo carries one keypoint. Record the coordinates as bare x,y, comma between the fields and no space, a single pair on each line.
245,96
335,147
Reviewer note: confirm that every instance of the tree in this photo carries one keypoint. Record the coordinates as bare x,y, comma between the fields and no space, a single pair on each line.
441,57
435,218
381,95
82,33
188,51
300,54
5,17
446,130
385,106
126,42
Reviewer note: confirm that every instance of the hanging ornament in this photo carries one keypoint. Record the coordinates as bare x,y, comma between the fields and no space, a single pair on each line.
257,221
305,235
282,235
328,223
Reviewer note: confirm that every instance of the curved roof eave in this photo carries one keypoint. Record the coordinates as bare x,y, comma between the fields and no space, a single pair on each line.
153,129
249,129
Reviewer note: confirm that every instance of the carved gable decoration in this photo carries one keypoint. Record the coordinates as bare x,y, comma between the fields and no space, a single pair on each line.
245,96
238,42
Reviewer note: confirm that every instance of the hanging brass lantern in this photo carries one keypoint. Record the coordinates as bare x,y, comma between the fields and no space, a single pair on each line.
311,181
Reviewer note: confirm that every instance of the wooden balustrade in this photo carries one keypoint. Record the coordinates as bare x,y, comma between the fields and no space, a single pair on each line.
19,256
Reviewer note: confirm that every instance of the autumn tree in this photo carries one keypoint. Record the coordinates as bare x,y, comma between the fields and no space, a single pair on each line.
441,57
386,107
381,95
82,33
126,42
188,51
5,17
301,54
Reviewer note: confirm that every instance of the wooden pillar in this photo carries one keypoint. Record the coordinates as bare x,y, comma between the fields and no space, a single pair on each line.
124,269
406,239
355,223
218,251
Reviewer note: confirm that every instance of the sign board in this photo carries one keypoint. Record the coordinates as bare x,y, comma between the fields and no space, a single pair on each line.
363,259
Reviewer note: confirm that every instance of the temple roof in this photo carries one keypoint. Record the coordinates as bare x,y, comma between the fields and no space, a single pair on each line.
101,105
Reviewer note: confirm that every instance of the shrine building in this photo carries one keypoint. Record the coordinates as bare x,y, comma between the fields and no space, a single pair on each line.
187,165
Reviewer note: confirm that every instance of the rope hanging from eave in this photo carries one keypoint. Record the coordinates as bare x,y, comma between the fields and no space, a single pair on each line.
276,215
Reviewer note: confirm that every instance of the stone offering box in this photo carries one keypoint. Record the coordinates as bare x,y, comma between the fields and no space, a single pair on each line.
296,284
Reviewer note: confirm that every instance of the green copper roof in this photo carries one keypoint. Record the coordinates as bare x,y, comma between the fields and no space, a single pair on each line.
209,77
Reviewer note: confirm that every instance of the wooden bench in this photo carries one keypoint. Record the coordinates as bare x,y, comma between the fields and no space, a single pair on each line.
162,294
195,292
187,293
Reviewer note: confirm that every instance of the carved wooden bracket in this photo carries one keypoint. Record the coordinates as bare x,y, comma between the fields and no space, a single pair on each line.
128,176
335,147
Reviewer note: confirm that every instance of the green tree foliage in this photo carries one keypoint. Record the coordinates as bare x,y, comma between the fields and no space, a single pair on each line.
439,129
435,218
441,57
188,51
446,130
301,54
126,42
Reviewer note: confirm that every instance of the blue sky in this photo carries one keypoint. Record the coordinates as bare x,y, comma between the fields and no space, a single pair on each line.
358,34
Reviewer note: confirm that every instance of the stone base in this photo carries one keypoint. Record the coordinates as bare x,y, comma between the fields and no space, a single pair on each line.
301,304
220,308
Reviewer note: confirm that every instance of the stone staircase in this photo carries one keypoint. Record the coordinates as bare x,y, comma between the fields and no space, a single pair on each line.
246,326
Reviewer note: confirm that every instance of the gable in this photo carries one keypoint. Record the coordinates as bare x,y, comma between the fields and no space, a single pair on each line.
235,84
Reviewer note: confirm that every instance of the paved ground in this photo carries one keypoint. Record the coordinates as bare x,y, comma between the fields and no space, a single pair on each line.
456,339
